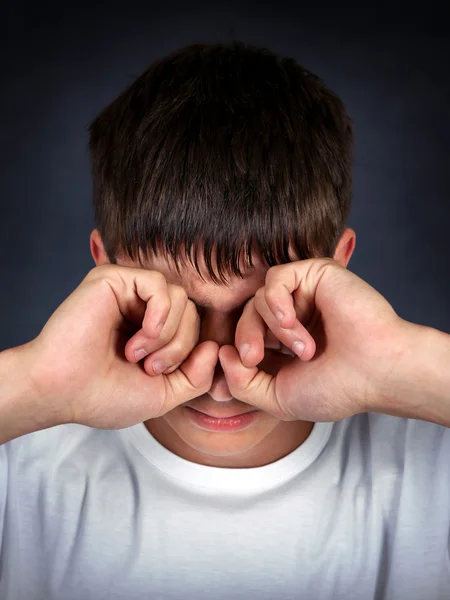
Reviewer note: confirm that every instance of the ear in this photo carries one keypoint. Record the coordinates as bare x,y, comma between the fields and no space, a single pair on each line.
345,247
97,249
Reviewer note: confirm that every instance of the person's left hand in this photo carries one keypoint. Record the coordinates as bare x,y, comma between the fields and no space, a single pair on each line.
353,341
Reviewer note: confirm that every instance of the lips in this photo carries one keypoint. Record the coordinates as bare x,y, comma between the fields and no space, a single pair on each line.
230,424
216,415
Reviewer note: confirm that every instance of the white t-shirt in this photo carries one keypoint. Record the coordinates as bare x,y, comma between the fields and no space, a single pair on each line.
360,511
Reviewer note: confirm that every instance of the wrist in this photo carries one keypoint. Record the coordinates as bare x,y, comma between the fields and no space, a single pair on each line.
418,381
25,406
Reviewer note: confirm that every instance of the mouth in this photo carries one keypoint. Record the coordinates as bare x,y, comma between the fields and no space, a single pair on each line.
222,415
210,422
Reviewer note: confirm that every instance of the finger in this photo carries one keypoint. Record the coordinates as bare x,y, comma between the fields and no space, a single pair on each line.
290,290
142,344
138,293
178,300
297,339
271,342
172,369
249,335
193,378
279,285
153,289
249,384
166,359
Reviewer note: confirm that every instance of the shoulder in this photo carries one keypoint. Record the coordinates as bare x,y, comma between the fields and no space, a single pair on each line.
388,429
56,443
393,440
395,430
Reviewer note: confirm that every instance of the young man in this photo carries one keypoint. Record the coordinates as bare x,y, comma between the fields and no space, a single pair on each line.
226,155
223,474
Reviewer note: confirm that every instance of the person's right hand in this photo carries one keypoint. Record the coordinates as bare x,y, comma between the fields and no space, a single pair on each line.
83,363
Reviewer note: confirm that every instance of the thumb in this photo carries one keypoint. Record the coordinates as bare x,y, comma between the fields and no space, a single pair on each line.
250,384
193,378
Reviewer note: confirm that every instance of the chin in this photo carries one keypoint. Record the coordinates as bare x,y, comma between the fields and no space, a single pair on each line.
218,445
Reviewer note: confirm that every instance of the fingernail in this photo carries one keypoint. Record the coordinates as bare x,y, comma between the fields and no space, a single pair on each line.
159,366
160,327
140,354
298,348
243,350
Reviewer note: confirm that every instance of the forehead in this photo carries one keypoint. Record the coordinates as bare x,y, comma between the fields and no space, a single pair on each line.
205,292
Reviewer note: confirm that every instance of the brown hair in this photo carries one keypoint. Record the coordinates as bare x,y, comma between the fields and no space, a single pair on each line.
227,146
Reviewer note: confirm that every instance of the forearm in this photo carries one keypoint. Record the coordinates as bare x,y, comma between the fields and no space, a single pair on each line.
419,384
22,411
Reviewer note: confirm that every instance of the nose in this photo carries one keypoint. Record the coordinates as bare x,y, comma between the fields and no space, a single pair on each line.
220,328
219,389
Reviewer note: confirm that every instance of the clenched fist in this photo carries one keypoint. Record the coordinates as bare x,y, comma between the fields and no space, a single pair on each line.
84,363
348,339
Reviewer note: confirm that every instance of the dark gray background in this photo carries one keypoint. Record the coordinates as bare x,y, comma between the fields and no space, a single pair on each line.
60,66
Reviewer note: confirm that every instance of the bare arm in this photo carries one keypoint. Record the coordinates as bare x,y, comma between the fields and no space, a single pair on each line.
82,367
77,372
359,356
419,384
21,409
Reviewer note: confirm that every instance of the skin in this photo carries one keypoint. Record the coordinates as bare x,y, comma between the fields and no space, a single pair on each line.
359,355
223,321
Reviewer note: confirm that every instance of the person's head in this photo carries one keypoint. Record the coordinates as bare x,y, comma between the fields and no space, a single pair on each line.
218,162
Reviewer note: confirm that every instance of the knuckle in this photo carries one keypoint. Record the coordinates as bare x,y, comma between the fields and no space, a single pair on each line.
260,293
273,272
178,351
99,271
270,294
178,293
157,277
